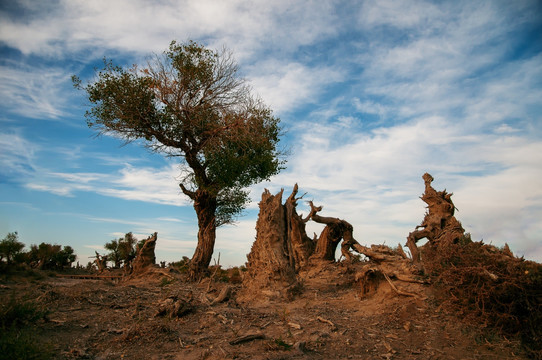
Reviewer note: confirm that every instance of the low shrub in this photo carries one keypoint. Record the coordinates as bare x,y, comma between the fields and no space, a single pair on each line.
489,286
17,339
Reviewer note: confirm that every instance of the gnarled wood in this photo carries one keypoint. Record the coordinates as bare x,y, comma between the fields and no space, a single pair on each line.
439,223
302,246
205,205
101,262
145,256
281,246
335,231
270,263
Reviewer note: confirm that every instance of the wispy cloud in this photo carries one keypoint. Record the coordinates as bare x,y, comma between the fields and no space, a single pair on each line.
285,86
20,157
129,183
17,155
374,95
53,29
34,92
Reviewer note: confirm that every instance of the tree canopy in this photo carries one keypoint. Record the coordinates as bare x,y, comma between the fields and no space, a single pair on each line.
123,250
43,256
191,103
10,246
49,256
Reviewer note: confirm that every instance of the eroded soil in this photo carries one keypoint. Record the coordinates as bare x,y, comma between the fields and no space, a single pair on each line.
98,319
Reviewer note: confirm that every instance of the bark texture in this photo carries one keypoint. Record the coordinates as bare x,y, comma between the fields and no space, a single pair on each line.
145,256
439,224
101,262
270,260
282,246
335,231
205,205
302,246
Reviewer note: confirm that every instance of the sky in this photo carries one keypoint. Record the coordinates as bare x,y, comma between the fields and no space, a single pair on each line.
371,95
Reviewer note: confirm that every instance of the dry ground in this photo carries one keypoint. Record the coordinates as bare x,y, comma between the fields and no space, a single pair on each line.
98,319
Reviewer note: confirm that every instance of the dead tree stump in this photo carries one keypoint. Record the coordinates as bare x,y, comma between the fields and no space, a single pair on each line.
439,224
282,246
270,261
335,231
101,262
145,256
302,247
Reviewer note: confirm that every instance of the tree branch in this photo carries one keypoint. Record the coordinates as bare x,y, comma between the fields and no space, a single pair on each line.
190,194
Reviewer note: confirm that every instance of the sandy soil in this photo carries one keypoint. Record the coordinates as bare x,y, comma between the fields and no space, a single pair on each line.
100,319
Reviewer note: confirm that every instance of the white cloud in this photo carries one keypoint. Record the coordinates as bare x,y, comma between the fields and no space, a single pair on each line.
93,247
436,75
170,219
373,181
370,107
143,26
399,14
60,190
34,92
154,185
505,129
284,86
451,64
17,155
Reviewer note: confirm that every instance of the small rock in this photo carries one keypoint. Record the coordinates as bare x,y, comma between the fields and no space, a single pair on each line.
294,326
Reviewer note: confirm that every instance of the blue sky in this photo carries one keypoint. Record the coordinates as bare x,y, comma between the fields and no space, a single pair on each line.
372,95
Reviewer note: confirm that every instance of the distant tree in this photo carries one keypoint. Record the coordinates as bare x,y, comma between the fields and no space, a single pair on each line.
65,257
48,256
123,250
10,247
128,249
191,103
114,253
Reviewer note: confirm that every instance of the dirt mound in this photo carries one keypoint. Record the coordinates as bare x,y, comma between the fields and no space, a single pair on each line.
295,300
97,319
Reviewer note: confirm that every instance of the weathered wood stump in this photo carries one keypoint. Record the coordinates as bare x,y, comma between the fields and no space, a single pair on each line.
282,246
439,224
271,263
145,256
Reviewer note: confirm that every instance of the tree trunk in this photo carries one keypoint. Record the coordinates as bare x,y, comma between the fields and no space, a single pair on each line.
335,231
270,254
327,244
205,205
145,256
330,237
301,245
439,224
271,266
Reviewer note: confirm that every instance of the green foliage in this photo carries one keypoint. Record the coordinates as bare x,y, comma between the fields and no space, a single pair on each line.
123,250
282,344
190,103
16,338
10,247
114,252
49,256
44,255
182,265
19,313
